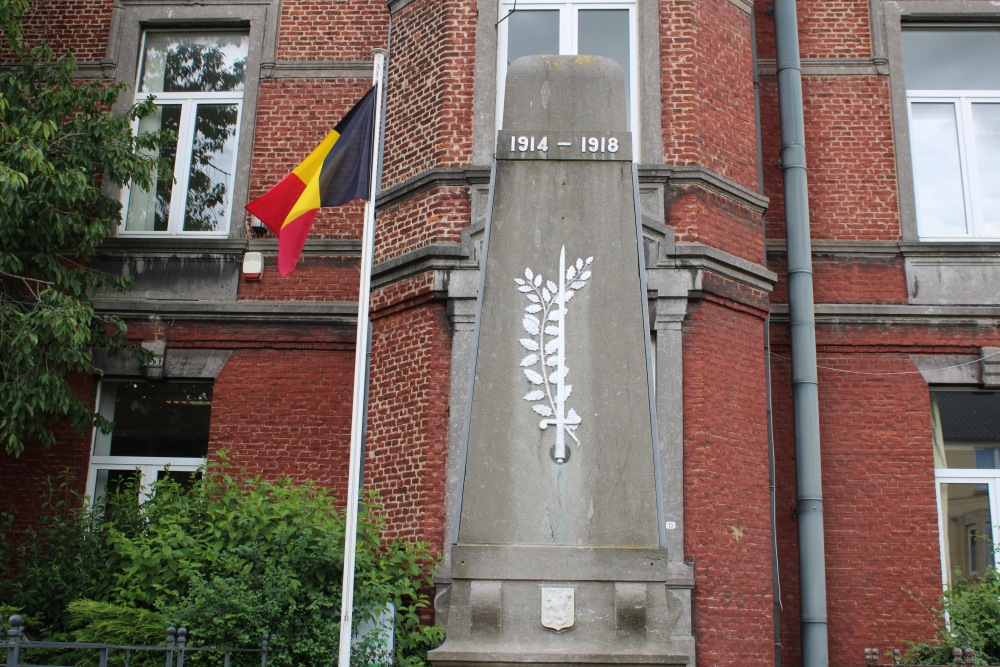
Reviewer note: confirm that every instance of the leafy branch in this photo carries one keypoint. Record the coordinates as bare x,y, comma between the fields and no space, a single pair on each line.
541,322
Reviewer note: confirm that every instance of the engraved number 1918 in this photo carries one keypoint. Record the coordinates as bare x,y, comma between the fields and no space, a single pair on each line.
598,144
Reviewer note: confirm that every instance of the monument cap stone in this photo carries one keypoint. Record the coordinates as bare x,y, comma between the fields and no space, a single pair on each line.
565,92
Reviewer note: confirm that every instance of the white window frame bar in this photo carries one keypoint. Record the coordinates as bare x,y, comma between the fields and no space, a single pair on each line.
963,101
568,45
189,102
964,476
148,466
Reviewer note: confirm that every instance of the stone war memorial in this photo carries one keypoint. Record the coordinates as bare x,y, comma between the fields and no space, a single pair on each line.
559,554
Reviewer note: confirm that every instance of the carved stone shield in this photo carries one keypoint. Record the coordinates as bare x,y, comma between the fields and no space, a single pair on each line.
558,608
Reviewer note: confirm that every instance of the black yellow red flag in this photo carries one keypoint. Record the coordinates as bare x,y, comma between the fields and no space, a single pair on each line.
336,172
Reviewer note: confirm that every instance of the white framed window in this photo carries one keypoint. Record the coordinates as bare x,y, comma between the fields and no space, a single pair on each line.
197,80
966,437
953,106
579,27
160,429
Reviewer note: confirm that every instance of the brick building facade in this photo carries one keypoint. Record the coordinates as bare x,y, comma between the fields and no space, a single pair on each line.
905,227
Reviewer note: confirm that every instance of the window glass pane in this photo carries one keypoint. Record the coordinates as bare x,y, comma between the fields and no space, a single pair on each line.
986,137
532,32
952,59
193,62
148,211
937,175
213,157
161,419
966,511
970,428
111,483
605,32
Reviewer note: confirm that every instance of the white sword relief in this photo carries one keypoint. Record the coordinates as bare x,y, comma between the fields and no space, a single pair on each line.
549,300
561,421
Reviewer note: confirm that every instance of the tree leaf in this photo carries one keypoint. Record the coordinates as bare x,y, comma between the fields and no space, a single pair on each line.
529,360
533,377
533,308
531,324
534,395
542,409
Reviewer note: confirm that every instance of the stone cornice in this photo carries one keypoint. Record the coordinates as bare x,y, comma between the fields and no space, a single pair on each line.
396,5
672,176
830,66
132,246
344,69
231,312
880,314
701,256
315,247
432,178
841,248
436,256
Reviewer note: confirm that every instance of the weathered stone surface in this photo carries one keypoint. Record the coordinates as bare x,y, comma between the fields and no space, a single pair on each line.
559,557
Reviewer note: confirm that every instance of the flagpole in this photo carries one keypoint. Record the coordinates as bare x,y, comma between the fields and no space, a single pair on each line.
360,372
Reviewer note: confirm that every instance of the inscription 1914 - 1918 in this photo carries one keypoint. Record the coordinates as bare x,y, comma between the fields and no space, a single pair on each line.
564,146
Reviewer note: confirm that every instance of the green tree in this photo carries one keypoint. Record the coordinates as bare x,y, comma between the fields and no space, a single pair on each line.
60,147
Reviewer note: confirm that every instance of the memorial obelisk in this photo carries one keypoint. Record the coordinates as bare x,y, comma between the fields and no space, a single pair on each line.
559,557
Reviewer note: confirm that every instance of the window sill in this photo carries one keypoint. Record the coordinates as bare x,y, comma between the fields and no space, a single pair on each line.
952,272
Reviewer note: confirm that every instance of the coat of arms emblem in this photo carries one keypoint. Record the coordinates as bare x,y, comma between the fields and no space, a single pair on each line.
558,608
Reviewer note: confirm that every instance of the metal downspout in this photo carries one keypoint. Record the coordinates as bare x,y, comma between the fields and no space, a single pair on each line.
802,326
771,476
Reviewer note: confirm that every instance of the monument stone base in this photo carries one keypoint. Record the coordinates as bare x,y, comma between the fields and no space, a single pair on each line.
562,605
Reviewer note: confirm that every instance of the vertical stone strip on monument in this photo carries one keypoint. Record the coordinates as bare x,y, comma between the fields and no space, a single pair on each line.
558,557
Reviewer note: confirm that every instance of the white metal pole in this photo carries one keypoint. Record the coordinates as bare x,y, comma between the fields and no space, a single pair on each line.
360,373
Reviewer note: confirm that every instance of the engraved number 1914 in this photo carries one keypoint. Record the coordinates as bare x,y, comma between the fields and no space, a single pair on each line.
525,144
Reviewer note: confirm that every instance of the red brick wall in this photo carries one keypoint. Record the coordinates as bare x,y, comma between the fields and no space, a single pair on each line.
847,279
849,157
408,417
326,30
285,411
430,91
727,532
314,279
25,480
698,215
880,517
827,29
707,88
436,216
82,26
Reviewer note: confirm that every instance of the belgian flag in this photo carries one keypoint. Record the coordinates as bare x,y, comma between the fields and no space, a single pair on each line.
338,171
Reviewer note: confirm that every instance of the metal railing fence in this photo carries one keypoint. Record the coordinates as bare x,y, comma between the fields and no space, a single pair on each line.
174,650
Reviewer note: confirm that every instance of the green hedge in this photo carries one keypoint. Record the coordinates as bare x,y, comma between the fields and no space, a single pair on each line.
229,558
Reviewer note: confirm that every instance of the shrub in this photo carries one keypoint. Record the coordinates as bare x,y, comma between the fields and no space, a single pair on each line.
970,618
229,558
